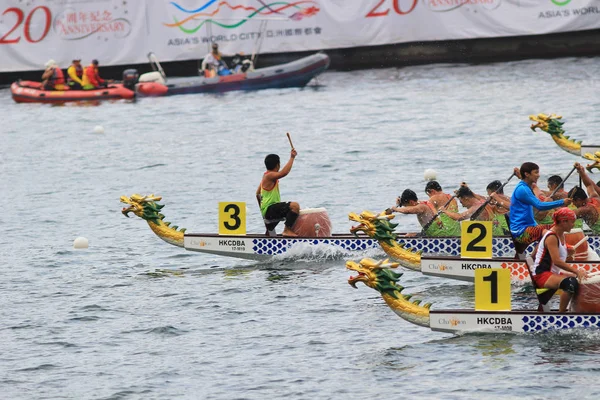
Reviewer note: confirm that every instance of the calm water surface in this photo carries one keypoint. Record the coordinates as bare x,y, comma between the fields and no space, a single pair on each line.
135,318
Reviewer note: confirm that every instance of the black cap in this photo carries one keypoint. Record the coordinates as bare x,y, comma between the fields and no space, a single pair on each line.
215,45
95,62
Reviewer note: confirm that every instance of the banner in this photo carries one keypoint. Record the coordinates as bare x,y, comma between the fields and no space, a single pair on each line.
122,32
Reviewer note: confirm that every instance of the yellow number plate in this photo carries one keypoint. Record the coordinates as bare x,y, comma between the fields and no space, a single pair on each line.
476,239
232,218
492,289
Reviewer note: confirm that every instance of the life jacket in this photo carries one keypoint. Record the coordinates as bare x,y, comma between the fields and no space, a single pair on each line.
57,77
78,72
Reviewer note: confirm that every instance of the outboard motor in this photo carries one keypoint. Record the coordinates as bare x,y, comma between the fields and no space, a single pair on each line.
130,78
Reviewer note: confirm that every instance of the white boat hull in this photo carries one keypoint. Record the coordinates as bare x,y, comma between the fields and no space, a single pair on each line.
464,321
463,269
260,247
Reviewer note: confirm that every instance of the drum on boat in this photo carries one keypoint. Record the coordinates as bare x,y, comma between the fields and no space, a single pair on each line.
577,237
588,298
313,222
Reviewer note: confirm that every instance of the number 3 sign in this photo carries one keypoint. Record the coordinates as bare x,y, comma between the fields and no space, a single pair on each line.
232,218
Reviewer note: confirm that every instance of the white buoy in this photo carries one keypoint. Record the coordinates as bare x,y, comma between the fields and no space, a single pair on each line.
430,174
80,243
98,129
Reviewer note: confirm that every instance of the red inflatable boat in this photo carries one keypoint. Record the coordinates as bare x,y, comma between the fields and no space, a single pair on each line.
32,92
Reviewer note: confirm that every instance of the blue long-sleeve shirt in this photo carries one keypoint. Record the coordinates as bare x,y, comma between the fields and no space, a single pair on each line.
521,208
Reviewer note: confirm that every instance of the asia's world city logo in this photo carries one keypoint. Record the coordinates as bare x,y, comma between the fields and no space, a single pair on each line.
231,15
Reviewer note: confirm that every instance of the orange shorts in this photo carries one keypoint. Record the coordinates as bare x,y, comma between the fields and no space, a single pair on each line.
540,279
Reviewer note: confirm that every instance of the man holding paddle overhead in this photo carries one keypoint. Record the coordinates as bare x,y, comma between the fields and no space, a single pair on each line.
523,227
271,207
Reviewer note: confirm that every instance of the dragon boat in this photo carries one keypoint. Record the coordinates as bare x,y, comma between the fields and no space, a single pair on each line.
262,247
382,277
553,125
32,92
293,74
400,249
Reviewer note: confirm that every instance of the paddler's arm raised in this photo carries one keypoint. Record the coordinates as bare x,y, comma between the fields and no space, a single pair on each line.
275,175
592,189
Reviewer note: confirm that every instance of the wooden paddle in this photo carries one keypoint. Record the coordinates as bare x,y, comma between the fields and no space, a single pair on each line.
562,183
482,207
290,140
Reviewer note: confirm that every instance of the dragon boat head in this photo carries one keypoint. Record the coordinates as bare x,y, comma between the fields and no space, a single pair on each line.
145,207
379,275
553,125
368,270
595,158
148,209
376,226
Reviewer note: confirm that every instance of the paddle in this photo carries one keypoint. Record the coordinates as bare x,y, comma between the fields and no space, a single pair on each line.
562,183
427,225
482,207
290,140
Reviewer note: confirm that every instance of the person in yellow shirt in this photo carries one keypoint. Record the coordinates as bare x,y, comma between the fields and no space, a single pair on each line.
75,75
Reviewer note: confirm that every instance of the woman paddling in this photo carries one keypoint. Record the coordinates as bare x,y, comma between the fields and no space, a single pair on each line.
550,259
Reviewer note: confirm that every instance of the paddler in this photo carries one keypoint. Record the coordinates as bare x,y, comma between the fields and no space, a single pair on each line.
409,203
469,200
438,198
550,259
588,205
272,208
523,227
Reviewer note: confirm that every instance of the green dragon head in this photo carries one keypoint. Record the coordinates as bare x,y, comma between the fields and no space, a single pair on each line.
595,157
376,275
379,276
552,125
375,226
147,208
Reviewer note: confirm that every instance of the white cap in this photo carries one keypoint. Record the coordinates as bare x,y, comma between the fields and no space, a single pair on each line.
50,63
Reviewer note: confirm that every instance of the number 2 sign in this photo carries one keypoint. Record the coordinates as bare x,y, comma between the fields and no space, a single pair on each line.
476,239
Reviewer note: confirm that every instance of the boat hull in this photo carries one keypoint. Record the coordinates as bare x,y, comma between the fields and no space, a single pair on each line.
260,247
32,92
294,74
527,321
463,269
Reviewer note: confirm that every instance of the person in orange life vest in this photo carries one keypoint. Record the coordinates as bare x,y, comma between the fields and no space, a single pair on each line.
91,78
75,75
550,257
267,194
53,78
